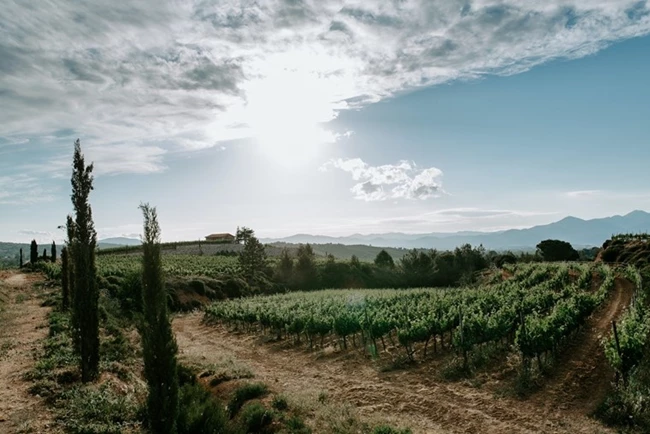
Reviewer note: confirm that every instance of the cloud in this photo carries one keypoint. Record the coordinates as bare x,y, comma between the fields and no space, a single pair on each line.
397,181
22,189
200,72
583,194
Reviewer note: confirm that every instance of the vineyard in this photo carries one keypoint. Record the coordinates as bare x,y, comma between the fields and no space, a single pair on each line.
535,309
173,265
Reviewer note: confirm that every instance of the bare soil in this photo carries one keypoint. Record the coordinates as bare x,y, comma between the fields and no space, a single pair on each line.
22,325
416,396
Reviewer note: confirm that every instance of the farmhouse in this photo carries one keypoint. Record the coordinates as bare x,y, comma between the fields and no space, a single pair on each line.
226,238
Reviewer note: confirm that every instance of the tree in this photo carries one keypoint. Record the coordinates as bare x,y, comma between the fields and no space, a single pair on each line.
556,250
20,264
384,260
252,260
70,230
44,257
243,234
284,269
306,266
65,283
33,253
53,252
158,343
354,262
86,295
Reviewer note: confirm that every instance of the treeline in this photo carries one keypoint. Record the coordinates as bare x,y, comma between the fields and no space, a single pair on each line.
418,268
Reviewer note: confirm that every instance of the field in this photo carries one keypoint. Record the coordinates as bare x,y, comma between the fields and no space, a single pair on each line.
536,309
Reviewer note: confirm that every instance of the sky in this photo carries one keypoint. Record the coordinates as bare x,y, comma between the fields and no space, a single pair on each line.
327,117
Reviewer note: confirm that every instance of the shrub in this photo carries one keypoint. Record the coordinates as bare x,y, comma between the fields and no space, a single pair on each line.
245,393
199,412
254,417
280,403
385,429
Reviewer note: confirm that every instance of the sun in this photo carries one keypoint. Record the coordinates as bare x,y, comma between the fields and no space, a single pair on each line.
287,111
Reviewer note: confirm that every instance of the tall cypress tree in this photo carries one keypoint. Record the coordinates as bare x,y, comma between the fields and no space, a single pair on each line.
53,252
20,265
33,253
69,226
65,274
158,343
86,295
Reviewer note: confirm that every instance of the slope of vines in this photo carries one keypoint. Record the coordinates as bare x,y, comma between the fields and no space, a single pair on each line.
536,308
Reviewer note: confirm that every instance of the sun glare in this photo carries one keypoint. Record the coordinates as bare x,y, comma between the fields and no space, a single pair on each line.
288,107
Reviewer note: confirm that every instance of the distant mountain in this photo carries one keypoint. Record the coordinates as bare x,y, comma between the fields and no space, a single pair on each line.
580,233
120,241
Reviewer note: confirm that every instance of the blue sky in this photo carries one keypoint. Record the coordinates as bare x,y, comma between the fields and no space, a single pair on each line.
329,117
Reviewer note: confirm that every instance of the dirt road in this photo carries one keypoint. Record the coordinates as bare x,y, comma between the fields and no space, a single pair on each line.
415,397
22,325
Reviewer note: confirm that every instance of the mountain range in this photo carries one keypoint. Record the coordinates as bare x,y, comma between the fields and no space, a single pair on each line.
580,233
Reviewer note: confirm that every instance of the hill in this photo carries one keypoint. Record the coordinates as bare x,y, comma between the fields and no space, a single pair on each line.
580,233
120,241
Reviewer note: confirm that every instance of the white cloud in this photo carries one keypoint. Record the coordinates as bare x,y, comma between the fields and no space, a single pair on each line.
200,72
23,190
583,194
397,181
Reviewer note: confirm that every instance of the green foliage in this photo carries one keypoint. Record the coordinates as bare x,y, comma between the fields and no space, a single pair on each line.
158,343
199,412
384,260
255,417
280,403
252,260
91,410
550,305
245,393
65,279
556,250
385,429
53,252
243,234
86,293
33,252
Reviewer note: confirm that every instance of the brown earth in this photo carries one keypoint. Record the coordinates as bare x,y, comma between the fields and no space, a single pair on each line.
416,397
22,325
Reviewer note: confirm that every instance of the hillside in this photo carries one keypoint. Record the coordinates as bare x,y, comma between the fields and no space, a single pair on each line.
580,233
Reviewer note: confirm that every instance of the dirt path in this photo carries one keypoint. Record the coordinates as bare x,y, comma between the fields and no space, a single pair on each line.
582,375
412,397
22,325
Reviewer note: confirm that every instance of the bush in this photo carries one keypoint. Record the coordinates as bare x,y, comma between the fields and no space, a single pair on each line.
199,412
91,410
385,429
296,425
254,417
280,403
245,393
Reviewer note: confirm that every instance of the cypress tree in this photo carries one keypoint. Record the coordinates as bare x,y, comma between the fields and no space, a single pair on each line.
20,265
158,343
69,226
53,252
33,253
44,255
65,289
86,295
